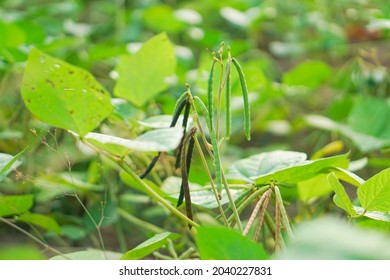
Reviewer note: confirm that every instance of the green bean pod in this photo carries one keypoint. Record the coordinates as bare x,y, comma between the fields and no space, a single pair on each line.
184,126
244,88
185,187
210,96
180,101
228,93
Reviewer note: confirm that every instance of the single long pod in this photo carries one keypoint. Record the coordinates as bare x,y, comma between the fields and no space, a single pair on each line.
190,151
210,96
184,176
184,126
228,93
244,88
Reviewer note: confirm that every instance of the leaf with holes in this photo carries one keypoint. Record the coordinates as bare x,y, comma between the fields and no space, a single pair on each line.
63,95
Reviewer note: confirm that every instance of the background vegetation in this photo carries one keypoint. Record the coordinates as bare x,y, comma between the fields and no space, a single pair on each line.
318,83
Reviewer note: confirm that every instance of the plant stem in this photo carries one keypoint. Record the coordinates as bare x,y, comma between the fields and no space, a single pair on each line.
199,148
137,222
231,200
252,197
155,195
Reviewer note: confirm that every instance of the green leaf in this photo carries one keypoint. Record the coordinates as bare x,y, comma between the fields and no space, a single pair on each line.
40,220
338,188
364,142
329,238
162,18
162,121
309,73
219,243
158,140
149,246
303,171
264,163
73,232
347,176
21,252
64,95
375,215
283,167
15,204
11,35
313,188
9,163
89,254
370,115
142,75
52,186
374,194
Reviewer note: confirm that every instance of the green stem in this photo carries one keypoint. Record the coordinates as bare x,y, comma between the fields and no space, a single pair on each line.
252,197
199,148
155,195
231,200
137,222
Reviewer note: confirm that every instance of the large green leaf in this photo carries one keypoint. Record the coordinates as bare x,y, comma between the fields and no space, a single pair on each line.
63,95
220,243
283,167
313,188
15,204
304,171
374,194
371,115
40,220
162,140
143,74
364,142
149,246
309,73
333,239
264,163
89,254
344,202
